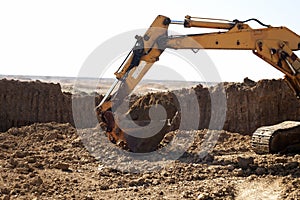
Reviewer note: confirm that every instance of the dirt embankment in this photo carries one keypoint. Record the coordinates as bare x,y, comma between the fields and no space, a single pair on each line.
249,105
24,103
266,102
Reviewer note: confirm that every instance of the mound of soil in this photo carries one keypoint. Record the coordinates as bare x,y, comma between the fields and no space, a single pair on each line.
54,161
248,105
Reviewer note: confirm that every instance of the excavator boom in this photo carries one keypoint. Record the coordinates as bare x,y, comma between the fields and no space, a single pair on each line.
275,45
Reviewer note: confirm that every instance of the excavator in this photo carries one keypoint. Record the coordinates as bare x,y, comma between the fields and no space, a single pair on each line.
275,45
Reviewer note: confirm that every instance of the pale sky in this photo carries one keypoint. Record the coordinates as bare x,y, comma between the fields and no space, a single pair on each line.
54,38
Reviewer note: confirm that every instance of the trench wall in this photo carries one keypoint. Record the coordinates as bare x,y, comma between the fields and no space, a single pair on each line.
249,105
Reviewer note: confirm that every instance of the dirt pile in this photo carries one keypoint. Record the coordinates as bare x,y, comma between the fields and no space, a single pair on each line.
249,106
49,161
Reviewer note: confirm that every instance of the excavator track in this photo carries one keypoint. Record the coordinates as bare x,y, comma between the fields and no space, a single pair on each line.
279,138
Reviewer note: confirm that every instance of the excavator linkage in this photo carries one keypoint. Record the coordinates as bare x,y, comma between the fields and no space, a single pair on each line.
275,45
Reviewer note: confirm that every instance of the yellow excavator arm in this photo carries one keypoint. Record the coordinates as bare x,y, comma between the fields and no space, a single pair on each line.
274,45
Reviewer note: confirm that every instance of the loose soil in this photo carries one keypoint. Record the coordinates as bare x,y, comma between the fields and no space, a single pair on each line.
54,161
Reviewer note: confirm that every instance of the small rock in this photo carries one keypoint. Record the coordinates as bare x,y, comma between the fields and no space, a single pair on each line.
26,186
291,165
197,177
253,166
156,182
2,156
202,196
24,169
278,167
186,194
5,190
13,163
297,156
247,172
252,177
133,183
260,171
31,159
58,148
37,181
88,198
245,162
146,176
230,167
238,172
171,180
60,136
208,158
141,181
77,143
165,173
249,82
62,166
104,187
51,136
20,154
281,160
38,165
6,197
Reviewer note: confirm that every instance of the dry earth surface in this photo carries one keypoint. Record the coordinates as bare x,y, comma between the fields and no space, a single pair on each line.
50,161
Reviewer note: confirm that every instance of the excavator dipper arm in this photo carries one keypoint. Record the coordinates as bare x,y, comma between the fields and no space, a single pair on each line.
143,55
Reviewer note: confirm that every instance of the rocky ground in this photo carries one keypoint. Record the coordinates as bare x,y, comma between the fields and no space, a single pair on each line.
56,161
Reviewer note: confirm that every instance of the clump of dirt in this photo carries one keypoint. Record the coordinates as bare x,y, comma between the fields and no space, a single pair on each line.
54,161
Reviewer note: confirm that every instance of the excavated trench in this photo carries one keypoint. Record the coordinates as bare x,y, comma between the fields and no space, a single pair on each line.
249,105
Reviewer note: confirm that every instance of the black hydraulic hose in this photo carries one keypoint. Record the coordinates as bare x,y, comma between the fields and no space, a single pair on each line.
125,60
252,19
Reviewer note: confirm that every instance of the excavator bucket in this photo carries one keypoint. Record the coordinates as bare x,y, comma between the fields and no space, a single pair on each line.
136,142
